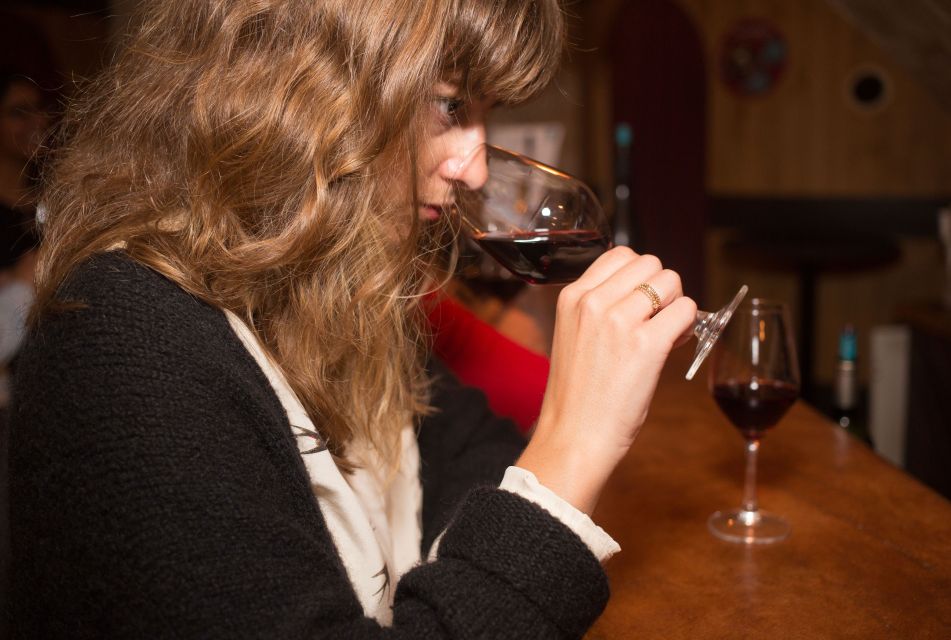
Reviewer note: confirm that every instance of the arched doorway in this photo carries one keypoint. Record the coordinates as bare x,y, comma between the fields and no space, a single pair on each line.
659,89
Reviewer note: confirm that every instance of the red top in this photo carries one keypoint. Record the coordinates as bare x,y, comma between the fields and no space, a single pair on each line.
511,376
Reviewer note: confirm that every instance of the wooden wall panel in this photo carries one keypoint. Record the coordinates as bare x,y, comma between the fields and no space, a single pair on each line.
916,33
805,137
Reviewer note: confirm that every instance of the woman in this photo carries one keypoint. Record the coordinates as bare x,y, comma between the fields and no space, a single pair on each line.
215,432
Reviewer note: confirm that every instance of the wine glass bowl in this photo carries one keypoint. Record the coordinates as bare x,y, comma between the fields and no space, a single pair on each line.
547,227
754,379
543,225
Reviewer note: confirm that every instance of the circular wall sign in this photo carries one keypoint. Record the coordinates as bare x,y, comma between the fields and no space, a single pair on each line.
753,57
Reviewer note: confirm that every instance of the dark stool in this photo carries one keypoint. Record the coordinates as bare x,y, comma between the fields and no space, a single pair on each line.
808,256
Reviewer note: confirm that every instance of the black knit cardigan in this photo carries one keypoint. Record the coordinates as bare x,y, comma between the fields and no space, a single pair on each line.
157,491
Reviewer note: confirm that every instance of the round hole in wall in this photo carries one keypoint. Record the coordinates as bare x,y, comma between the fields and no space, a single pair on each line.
868,89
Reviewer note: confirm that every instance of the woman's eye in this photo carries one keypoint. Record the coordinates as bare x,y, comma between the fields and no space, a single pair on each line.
449,107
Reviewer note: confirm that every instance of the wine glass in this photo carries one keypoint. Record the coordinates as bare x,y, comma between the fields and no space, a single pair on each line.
547,227
754,378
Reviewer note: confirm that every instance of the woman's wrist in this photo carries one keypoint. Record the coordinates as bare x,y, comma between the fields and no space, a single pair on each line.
575,471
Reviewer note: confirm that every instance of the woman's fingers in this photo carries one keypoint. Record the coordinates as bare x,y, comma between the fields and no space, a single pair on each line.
657,292
608,281
611,341
673,324
628,287
604,267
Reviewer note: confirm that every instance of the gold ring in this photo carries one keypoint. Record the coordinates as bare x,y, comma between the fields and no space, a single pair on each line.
649,291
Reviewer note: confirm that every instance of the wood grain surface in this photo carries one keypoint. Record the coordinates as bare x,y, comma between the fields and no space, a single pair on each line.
869,555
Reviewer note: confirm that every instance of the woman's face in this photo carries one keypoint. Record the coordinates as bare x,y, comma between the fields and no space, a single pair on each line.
455,130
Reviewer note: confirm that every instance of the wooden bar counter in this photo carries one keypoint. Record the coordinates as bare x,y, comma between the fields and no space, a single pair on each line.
869,555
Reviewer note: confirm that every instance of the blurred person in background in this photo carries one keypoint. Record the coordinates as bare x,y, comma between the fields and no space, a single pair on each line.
24,123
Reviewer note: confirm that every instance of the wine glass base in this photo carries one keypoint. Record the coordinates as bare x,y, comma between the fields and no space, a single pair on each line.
748,527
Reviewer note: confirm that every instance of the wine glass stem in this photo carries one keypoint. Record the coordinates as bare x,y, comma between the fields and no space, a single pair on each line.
700,324
750,504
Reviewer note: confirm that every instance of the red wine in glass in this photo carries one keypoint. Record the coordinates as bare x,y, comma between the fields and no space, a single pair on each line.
545,257
756,405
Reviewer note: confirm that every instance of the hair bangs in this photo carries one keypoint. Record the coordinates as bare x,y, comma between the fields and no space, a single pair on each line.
508,51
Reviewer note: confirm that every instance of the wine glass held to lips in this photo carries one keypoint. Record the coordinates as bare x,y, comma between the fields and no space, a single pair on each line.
754,378
547,227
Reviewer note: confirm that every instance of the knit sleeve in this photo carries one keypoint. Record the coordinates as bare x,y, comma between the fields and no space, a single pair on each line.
463,444
516,571
497,539
155,489
157,492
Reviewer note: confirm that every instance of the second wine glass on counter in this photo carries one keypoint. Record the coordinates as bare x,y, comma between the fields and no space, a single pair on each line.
547,227
754,379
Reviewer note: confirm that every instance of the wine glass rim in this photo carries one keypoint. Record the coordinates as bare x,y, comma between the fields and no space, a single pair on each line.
528,161
762,304
532,164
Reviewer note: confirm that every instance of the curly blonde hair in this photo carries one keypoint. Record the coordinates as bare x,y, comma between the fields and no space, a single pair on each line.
245,150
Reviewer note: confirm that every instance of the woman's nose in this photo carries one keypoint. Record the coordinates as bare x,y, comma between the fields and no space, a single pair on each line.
468,163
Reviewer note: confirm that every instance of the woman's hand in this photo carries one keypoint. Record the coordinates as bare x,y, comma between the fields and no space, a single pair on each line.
608,351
